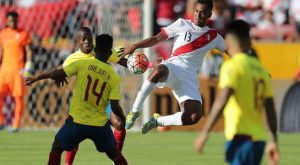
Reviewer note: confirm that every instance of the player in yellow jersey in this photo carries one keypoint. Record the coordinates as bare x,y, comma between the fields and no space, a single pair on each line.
86,51
96,85
245,96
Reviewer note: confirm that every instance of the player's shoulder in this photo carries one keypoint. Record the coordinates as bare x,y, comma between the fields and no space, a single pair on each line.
22,31
4,31
214,32
114,57
74,54
70,58
107,67
263,70
228,63
78,55
115,75
182,22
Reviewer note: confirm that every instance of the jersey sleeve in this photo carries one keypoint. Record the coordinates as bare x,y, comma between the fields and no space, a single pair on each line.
173,29
220,43
72,68
228,76
26,39
115,92
69,60
114,57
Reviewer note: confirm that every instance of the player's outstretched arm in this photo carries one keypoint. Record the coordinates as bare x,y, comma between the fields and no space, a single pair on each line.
117,109
56,74
272,149
151,41
123,62
213,117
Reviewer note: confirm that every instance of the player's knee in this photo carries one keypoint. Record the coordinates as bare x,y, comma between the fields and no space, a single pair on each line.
190,119
119,125
195,118
192,113
159,74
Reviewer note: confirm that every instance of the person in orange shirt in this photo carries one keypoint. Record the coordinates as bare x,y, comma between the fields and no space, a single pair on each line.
13,42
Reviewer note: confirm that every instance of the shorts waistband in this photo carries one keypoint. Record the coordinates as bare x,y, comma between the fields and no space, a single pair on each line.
242,137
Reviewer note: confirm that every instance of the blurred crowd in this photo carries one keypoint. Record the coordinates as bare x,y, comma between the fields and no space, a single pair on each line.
53,23
271,20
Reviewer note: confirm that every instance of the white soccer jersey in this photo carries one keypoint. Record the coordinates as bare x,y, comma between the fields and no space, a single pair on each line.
191,42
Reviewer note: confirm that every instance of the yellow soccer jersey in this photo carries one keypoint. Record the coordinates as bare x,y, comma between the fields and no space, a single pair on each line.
251,84
95,85
80,55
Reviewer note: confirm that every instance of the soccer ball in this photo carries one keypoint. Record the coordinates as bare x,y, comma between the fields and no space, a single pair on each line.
137,63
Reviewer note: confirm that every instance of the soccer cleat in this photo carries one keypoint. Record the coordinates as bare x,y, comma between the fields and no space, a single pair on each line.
152,123
130,119
13,130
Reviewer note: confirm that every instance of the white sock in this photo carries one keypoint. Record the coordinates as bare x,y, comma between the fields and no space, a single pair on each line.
143,93
170,120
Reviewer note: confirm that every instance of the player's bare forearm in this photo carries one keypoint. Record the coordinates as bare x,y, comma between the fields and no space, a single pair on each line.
151,41
271,118
123,62
217,109
117,110
56,74
28,53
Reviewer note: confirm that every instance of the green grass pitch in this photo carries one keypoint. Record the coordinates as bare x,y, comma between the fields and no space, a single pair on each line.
155,148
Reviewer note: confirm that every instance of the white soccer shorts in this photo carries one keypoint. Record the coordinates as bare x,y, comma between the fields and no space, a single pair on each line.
183,82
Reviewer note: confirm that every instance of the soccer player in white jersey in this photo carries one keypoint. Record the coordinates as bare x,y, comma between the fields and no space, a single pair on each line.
192,39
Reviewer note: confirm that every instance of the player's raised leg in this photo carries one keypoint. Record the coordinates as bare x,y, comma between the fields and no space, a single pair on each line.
185,87
191,114
159,74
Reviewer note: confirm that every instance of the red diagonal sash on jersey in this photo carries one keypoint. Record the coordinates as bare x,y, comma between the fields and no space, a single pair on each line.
197,43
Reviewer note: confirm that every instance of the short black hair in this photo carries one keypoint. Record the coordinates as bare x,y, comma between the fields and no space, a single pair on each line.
208,3
240,29
104,42
12,13
85,29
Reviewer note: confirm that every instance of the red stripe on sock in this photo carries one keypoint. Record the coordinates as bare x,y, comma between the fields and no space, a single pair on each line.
120,138
70,156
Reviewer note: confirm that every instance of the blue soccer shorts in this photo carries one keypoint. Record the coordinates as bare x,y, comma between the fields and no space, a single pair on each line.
71,134
243,151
